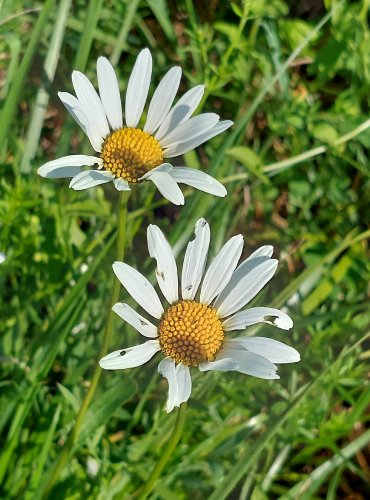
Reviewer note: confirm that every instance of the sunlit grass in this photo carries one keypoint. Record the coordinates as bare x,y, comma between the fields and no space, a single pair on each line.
295,164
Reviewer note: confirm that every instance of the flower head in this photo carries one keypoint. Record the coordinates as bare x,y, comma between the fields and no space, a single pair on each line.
192,331
127,153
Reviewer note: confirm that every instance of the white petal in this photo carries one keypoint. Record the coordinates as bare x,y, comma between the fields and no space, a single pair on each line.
121,185
167,187
184,383
259,256
138,87
195,260
181,111
199,180
190,129
139,288
164,167
130,357
222,365
246,289
83,118
141,324
269,315
183,147
264,251
249,362
67,166
162,99
109,92
273,350
221,269
58,172
166,270
179,382
75,108
91,103
168,370
90,178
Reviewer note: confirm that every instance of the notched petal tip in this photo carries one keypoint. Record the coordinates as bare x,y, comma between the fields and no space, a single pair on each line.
202,222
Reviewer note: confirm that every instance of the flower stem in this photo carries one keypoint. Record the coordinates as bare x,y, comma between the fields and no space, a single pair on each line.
72,438
171,445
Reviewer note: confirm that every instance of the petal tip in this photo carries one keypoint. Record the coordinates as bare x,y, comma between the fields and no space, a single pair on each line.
40,171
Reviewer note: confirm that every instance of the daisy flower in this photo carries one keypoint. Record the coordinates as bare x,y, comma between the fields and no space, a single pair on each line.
192,331
127,153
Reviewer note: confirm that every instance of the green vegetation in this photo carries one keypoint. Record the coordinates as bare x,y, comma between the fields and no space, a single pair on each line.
295,80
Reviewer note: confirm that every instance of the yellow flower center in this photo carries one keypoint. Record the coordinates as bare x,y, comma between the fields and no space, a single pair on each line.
190,333
129,153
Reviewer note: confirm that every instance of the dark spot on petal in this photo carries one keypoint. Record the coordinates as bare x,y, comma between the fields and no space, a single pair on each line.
271,319
160,274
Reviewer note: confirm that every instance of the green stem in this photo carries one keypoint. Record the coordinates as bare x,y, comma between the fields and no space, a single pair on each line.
120,254
72,438
278,166
171,445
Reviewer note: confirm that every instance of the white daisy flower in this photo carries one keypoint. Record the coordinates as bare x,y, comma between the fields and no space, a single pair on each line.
191,331
128,154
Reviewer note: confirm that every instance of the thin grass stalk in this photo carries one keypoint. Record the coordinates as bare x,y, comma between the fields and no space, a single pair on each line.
306,489
121,43
87,37
42,98
279,166
67,451
11,103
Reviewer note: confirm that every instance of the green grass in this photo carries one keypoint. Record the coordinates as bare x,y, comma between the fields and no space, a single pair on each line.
295,82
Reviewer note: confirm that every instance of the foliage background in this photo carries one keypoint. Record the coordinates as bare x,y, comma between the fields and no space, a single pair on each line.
294,76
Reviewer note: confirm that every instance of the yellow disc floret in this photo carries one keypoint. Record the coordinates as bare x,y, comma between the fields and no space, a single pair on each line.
190,333
129,153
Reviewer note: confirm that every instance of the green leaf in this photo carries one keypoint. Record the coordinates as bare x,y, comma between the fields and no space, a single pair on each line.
69,397
325,133
104,406
160,10
325,286
250,160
